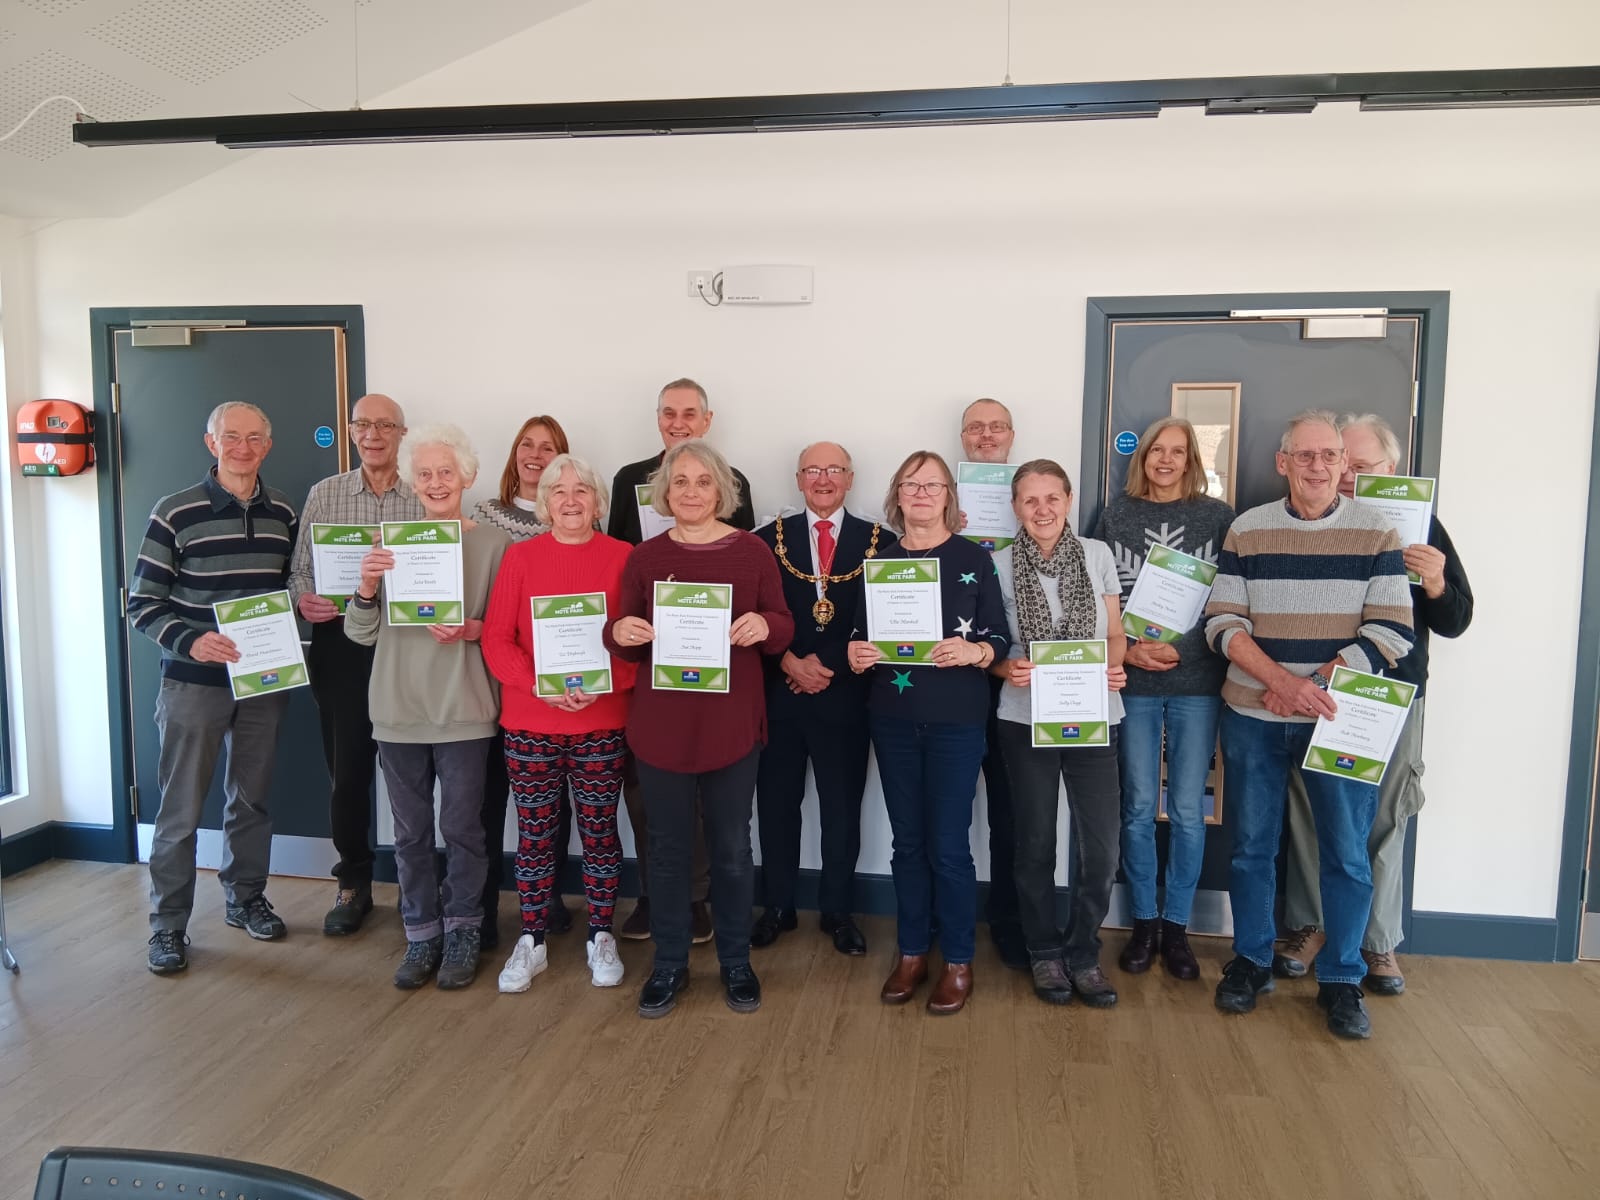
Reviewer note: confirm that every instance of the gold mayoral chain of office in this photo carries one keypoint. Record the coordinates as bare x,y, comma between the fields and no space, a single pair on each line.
823,609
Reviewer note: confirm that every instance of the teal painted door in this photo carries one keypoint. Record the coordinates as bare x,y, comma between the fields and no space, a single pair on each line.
296,375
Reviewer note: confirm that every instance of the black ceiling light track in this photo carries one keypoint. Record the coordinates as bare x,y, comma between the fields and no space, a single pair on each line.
1255,94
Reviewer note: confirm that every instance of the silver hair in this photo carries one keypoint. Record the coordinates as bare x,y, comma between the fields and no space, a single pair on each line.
449,436
586,476
703,452
1380,429
214,421
1311,416
805,450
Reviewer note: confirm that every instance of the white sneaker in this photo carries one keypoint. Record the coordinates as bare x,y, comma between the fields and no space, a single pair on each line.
526,961
604,962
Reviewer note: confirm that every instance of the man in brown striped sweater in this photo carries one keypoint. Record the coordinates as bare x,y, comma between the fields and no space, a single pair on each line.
1303,585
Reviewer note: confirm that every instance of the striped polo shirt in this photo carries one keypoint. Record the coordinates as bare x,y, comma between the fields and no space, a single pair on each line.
204,545
1308,591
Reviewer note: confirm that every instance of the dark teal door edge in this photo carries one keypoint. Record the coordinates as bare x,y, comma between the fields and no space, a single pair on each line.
1470,935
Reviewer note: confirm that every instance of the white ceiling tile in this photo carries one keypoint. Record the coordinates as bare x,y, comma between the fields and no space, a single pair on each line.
49,74
199,42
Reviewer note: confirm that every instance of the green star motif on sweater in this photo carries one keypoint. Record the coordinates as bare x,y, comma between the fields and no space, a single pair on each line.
969,577
901,681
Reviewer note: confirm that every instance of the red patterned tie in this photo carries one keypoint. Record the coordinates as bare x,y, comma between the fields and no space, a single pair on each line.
825,547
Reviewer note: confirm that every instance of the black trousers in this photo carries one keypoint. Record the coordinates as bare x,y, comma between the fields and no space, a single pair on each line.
838,754
1002,907
340,672
1094,800
725,799
496,799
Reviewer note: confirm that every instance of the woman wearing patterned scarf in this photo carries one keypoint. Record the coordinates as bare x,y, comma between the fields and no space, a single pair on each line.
1059,587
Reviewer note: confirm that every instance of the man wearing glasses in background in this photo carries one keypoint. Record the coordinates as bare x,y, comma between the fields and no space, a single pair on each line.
986,437
341,669
1303,585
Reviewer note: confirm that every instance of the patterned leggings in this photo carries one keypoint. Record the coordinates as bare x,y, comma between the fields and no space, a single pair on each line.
541,767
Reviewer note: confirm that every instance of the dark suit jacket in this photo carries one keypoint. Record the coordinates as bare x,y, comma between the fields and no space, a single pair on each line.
845,697
624,520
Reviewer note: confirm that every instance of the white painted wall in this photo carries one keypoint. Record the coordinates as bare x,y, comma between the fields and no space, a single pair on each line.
501,279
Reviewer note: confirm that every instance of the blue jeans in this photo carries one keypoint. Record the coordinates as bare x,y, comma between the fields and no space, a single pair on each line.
929,773
1191,728
1257,757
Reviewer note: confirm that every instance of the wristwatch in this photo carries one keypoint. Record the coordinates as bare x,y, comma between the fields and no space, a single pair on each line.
1321,680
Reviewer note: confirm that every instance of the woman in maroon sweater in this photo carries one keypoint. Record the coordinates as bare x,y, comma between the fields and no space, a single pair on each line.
571,739
700,745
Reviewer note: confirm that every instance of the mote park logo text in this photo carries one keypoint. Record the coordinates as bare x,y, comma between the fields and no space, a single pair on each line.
904,574
424,535
576,609
1068,656
1377,693
260,609
1397,491
695,598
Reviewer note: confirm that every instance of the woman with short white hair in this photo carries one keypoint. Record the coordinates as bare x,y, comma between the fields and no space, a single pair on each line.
434,710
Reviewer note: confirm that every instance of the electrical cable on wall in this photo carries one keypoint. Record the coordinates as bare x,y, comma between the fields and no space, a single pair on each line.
716,288
34,111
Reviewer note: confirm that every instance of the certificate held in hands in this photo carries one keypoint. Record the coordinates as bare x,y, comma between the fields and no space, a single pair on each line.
424,587
693,623
264,631
1407,500
568,653
1358,741
1169,595
905,613
1071,705
984,493
336,554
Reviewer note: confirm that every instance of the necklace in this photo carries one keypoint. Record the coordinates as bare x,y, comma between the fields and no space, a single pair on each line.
822,610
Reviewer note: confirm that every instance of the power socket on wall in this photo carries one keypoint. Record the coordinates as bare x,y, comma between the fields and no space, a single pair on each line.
700,282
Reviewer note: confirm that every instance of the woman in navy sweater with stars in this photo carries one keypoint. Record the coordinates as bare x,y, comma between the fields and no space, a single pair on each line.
927,727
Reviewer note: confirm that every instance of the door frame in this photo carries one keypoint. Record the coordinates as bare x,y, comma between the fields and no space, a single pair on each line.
1434,310
1576,827
104,325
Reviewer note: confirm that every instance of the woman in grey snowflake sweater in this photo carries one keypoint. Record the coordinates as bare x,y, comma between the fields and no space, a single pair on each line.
1172,687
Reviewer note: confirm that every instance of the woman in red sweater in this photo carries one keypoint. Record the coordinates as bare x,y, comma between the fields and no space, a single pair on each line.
700,747
571,738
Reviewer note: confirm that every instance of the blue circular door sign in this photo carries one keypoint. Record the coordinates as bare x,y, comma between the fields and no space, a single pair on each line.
324,436
1127,442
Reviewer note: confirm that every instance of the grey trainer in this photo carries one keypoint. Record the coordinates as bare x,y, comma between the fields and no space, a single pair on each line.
167,953
460,964
1050,981
255,917
421,961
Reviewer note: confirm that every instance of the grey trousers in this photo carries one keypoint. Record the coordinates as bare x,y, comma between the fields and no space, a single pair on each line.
196,722
427,907
1399,799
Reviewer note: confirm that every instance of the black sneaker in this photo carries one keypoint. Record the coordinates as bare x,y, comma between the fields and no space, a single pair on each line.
419,964
660,992
1242,982
350,909
255,917
459,966
167,953
742,988
1347,1016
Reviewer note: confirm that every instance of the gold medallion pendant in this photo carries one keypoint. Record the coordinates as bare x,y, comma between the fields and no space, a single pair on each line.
822,610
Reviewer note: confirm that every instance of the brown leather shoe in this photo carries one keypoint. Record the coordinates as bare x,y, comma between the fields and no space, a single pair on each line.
910,972
1136,956
1176,954
951,992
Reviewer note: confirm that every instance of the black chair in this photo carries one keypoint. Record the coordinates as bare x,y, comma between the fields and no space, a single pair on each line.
93,1173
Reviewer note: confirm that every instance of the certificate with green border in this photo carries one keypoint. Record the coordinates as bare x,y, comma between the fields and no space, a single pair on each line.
1358,741
1071,702
905,612
984,492
1168,596
693,623
568,653
424,587
336,554
263,629
1407,500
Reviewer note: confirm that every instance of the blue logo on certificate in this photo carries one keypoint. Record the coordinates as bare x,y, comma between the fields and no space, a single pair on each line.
690,677
986,543
1071,733
1153,631
424,610
268,678
574,681
1345,763
905,650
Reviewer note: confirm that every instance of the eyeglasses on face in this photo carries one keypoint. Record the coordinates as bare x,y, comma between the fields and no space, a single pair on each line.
1328,458
814,473
910,487
254,440
974,428
362,425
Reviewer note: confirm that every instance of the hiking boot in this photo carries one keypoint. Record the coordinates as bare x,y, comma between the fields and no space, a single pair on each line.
350,908
637,927
459,966
1176,954
420,962
1347,1016
1242,982
1092,985
255,917
1383,974
1050,981
1140,951
167,953
1299,951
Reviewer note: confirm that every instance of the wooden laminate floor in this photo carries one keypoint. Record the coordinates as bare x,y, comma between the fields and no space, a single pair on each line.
1482,1081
